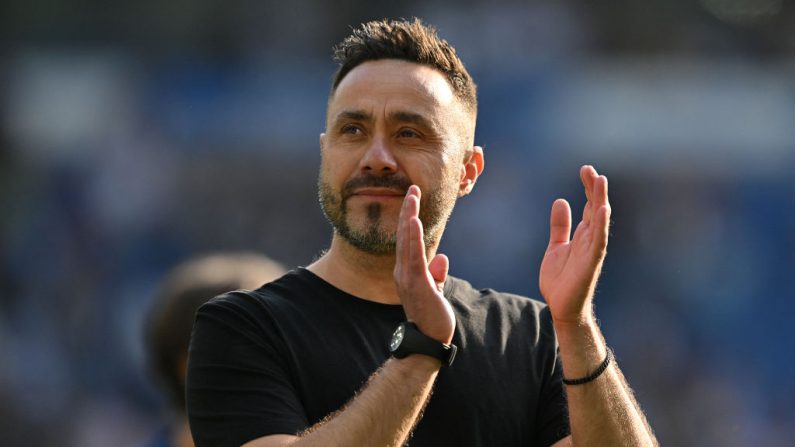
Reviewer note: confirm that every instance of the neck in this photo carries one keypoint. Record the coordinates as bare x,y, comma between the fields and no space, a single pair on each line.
361,274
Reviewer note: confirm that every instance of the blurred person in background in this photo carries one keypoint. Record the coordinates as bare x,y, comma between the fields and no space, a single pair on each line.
308,359
170,321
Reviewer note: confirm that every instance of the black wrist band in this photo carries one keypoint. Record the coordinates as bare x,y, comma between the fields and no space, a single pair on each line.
595,374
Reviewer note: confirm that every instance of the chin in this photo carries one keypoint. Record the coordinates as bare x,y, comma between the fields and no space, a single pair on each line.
364,227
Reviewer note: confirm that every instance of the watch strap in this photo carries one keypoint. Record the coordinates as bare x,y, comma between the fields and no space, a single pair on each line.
415,342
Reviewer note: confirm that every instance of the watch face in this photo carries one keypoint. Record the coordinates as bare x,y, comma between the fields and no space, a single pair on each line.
397,337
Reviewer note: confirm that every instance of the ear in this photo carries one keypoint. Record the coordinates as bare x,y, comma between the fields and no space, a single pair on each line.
471,170
322,140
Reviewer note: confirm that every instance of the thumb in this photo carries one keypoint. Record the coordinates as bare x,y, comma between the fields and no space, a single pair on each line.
438,267
559,223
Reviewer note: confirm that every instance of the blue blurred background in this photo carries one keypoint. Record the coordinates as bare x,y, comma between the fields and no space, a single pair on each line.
134,135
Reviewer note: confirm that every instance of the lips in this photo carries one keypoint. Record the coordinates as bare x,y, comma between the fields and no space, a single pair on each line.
376,187
379,192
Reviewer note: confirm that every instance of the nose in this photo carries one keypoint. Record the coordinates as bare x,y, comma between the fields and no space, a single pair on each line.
378,158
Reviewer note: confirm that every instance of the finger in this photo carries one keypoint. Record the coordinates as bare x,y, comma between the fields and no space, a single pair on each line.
409,209
414,194
559,223
587,176
587,212
417,262
600,191
402,236
439,267
601,230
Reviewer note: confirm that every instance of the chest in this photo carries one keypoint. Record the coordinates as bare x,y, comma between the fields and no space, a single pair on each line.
489,389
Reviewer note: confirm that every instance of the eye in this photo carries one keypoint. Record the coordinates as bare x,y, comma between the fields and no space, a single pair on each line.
351,129
408,133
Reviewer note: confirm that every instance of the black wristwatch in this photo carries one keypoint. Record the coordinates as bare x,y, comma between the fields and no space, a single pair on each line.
407,339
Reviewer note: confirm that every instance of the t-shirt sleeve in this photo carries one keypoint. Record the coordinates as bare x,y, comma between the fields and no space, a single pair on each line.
238,387
553,412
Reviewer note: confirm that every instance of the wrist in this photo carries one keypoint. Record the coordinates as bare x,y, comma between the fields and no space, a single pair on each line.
594,375
585,322
408,340
582,347
441,333
576,336
573,316
417,366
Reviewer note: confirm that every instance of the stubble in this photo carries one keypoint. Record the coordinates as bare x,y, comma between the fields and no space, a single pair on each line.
435,209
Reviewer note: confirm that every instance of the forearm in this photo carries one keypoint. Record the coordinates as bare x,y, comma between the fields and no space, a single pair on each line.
383,413
602,412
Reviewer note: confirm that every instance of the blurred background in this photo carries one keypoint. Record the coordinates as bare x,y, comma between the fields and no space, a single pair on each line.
134,135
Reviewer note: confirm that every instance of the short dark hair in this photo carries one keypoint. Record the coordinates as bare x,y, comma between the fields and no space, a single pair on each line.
191,284
411,41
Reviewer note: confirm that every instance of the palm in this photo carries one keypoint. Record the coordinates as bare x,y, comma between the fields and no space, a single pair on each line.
571,266
420,283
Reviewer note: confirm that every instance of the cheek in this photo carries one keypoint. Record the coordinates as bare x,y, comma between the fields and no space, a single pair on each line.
452,169
335,165
330,169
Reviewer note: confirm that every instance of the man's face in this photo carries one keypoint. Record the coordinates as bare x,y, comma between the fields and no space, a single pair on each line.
391,124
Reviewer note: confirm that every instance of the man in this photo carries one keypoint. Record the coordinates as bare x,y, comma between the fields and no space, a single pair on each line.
304,360
168,325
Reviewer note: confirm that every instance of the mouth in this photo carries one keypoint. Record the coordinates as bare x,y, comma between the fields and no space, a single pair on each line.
379,193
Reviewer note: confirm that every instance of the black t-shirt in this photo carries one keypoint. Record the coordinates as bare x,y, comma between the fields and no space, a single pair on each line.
281,358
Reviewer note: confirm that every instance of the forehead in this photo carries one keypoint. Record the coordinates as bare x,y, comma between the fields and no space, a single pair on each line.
392,83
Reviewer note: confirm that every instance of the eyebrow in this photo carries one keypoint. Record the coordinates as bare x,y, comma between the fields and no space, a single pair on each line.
353,115
410,117
399,116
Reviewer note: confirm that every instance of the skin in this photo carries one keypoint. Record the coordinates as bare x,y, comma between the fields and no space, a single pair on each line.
432,157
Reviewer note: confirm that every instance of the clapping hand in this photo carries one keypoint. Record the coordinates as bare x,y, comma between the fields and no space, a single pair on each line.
420,283
571,266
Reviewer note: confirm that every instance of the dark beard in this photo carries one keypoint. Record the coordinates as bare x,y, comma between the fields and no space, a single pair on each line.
434,210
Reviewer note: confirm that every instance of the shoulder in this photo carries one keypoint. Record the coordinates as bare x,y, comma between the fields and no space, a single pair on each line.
258,316
253,308
285,289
